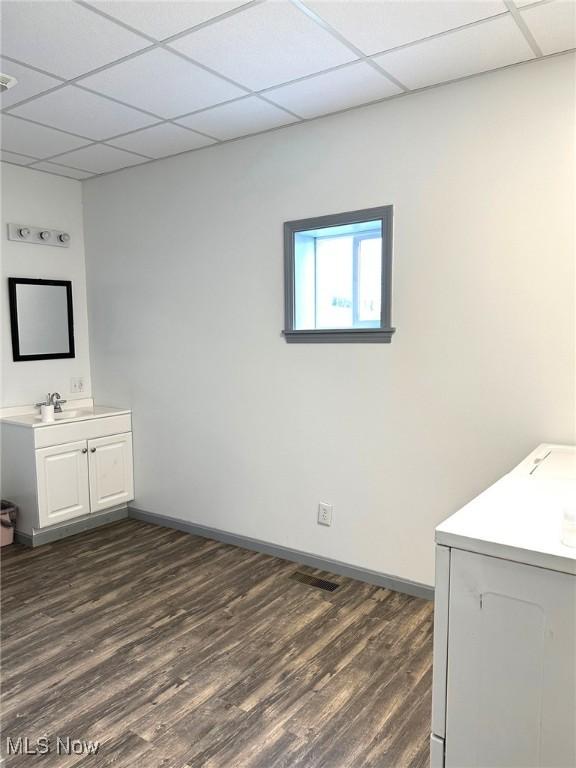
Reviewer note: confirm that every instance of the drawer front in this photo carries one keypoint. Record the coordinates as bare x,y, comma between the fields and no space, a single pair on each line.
58,434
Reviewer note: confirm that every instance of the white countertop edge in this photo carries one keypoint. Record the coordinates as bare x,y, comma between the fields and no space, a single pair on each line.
549,560
522,501
19,420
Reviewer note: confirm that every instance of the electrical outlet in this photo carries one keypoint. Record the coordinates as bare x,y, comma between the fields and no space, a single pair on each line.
77,385
325,514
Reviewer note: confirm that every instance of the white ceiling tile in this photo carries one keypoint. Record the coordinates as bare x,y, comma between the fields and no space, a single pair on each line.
162,140
78,111
375,26
62,170
163,18
238,118
163,83
62,37
480,48
13,157
35,140
99,158
521,3
553,25
349,86
29,83
265,45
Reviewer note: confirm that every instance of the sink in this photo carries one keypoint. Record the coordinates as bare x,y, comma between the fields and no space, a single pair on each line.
68,414
82,412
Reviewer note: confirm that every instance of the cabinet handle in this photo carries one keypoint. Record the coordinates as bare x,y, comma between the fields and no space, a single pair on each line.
84,450
92,450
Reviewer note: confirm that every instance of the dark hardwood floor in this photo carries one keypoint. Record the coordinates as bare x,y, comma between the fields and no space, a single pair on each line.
173,650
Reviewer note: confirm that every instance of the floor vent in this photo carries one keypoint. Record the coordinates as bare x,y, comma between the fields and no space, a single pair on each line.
314,581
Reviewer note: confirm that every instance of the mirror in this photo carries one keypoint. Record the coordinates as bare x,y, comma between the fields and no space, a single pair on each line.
41,318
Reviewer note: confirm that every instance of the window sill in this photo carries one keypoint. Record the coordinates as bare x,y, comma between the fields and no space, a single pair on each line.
341,336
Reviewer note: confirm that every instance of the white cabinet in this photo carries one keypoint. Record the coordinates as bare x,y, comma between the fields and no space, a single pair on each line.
110,471
62,476
511,684
68,473
504,688
77,478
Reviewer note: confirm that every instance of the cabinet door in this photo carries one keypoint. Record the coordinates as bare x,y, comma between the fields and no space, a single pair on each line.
111,475
511,698
62,477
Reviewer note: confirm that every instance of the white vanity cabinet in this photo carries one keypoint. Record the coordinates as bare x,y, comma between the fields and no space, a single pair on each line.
504,691
86,476
68,475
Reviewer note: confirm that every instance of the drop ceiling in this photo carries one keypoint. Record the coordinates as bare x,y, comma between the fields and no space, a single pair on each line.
108,84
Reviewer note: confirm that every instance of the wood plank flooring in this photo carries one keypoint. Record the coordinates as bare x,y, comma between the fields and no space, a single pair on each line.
175,651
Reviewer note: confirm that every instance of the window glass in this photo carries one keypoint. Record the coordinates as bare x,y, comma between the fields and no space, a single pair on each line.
369,280
334,282
338,276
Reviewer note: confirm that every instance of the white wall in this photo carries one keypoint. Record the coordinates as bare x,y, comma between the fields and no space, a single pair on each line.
40,199
237,430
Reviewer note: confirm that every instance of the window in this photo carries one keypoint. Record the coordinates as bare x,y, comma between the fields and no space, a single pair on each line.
337,277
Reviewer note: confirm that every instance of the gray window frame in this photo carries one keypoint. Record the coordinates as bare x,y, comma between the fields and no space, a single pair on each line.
382,334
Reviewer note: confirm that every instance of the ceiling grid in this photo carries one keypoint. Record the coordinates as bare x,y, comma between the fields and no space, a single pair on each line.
114,84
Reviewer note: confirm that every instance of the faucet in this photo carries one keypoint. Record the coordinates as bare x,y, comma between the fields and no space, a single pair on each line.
55,400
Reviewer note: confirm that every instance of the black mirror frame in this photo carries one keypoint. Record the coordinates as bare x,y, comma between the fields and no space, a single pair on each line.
15,281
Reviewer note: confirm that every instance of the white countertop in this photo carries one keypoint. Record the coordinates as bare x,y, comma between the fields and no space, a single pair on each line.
70,413
520,517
